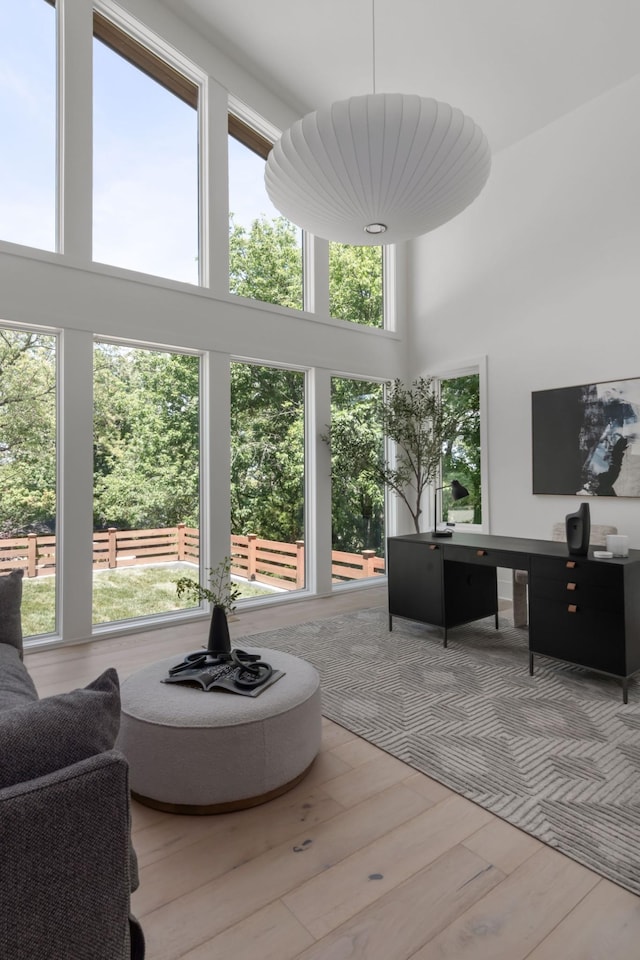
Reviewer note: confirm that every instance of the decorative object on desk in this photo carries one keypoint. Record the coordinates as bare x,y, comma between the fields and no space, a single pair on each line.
578,527
457,493
417,420
236,671
618,545
222,593
586,439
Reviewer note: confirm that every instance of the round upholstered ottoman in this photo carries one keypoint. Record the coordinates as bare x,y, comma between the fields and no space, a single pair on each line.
196,751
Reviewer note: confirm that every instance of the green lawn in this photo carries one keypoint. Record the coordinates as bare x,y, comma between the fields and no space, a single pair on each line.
117,595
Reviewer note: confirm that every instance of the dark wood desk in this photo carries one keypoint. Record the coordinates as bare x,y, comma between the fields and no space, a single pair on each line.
581,610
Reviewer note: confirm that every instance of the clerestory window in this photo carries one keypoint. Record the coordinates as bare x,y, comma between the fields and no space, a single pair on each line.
355,284
28,119
145,156
265,249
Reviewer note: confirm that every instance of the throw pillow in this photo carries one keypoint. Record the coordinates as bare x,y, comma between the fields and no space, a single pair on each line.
10,602
46,735
16,686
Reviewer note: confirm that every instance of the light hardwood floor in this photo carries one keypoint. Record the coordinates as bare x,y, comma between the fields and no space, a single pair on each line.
364,859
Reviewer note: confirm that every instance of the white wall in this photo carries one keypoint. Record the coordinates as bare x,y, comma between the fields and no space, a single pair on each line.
542,274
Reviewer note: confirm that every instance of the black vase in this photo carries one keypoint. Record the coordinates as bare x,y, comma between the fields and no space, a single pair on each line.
578,526
219,639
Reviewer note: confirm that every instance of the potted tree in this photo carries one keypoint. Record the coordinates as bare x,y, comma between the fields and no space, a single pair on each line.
222,593
416,419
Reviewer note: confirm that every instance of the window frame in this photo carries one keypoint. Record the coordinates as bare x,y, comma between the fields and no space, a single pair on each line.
477,366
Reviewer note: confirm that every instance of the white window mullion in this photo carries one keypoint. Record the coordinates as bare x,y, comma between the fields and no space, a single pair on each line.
74,524
214,189
316,274
75,138
215,457
318,472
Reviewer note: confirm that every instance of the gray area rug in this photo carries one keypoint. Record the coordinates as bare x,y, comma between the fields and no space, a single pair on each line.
556,754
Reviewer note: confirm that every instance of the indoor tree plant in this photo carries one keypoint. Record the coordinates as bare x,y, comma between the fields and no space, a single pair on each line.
417,420
222,593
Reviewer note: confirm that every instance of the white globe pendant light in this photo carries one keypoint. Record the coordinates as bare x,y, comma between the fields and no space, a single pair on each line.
378,168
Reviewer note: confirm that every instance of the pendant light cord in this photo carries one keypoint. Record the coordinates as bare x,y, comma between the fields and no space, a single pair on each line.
373,42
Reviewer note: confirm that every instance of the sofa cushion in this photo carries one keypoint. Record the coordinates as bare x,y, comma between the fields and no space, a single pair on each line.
16,686
10,602
45,735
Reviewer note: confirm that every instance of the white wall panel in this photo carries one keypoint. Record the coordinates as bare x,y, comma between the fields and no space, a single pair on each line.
541,274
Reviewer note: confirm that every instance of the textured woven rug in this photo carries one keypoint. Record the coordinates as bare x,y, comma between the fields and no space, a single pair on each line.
556,754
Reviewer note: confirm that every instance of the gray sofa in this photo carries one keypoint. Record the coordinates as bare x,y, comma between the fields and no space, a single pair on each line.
67,868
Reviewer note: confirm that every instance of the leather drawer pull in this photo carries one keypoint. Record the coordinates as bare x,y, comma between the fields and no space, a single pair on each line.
433,546
570,564
572,586
572,608
481,553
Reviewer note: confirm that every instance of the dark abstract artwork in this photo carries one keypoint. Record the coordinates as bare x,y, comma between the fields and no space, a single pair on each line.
586,439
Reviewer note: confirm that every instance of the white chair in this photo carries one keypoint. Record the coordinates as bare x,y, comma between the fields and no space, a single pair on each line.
598,538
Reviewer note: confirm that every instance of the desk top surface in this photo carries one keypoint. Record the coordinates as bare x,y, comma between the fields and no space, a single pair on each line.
522,545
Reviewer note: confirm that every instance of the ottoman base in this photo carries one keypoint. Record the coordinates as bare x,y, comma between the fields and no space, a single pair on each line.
195,810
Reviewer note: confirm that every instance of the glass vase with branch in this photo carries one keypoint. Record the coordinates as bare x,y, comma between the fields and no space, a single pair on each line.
222,593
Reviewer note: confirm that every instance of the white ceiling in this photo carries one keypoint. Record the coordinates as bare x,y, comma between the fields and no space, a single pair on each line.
512,65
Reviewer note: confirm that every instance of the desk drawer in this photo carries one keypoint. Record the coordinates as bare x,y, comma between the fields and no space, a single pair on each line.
581,594
590,638
578,570
486,557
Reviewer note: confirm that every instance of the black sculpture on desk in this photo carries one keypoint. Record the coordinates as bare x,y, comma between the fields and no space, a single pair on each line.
578,527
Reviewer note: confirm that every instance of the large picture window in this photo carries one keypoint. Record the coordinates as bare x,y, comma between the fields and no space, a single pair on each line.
267,479
28,464
357,500
146,506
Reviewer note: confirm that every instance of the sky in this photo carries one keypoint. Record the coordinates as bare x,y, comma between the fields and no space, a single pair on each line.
145,155
27,114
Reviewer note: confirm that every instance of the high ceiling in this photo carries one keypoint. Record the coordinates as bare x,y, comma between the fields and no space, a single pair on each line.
512,65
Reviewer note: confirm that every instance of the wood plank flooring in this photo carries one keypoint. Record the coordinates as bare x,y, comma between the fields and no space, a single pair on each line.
364,859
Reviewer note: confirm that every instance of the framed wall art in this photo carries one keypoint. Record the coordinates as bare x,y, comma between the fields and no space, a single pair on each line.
586,439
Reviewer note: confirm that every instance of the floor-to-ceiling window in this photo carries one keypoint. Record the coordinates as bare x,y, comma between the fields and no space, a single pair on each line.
28,122
267,478
145,173
146,508
357,497
28,471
